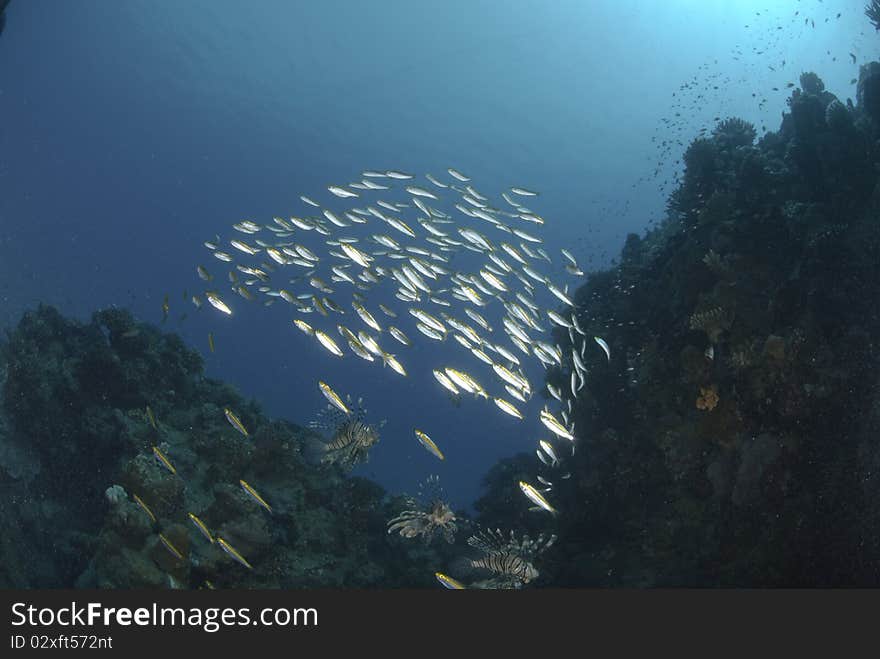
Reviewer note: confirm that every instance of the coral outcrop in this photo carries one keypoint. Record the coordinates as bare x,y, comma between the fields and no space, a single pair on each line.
89,505
756,298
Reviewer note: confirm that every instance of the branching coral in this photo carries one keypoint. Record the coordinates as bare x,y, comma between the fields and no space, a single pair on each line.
811,83
734,132
837,116
713,322
700,177
708,398
872,11
699,158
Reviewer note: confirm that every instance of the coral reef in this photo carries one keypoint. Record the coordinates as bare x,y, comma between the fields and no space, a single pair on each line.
872,11
713,322
868,92
118,467
734,132
88,408
756,296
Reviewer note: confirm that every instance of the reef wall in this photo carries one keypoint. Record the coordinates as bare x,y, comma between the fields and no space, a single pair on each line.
76,439
733,439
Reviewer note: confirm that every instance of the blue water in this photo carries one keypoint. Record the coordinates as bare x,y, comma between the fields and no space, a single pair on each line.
134,130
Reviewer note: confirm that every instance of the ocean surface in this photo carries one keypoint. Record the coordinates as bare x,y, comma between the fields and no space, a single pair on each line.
131,132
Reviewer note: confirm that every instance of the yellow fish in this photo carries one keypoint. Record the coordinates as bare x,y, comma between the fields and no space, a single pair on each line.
449,582
165,462
508,407
426,441
536,497
229,549
217,303
171,548
553,424
200,525
144,507
211,341
234,420
256,497
151,418
333,397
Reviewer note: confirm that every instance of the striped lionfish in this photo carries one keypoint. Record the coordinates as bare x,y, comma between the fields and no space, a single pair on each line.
347,439
427,516
509,560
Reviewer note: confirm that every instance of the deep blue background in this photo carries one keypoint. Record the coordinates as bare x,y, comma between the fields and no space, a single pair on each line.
131,131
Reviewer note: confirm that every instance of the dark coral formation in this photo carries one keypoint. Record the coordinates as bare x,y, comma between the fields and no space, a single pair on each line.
872,11
76,447
732,439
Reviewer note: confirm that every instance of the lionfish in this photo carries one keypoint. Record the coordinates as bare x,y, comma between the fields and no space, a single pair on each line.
426,516
347,438
509,560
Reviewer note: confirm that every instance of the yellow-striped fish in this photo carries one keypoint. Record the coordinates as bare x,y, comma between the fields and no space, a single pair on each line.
200,525
229,549
304,327
165,462
255,496
426,441
553,424
449,582
536,497
328,343
395,365
333,397
211,341
217,303
151,418
234,421
508,407
144,507
171,548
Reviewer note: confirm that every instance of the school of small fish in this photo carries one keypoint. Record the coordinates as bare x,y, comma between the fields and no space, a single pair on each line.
466,270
